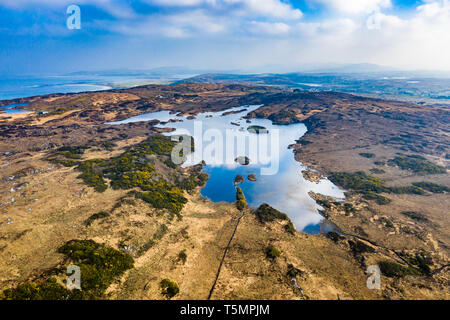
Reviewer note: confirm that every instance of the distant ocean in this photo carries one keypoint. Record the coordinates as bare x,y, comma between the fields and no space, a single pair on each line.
21,87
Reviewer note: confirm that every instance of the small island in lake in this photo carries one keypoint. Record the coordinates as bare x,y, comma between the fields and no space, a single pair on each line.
245,161
239,179
258,129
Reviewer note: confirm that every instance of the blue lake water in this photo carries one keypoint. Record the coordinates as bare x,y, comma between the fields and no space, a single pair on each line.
280,181
12,87
21,87
14,108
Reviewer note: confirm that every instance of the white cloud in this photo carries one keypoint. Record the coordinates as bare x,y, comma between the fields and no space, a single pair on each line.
183,25
419,40
422,41
356,6
180,3
437,11
197,18
116,8
328,28
266,8
264,31
270,8
379,20
269,28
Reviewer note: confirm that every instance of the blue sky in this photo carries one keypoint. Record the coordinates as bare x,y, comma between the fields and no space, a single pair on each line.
279,35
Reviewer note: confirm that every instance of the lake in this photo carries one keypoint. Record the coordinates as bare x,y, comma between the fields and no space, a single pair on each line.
286,190
14,108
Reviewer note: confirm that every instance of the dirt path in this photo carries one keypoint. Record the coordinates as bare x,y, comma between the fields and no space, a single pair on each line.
224,256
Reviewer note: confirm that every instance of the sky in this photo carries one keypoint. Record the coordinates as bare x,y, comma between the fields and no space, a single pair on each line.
245,35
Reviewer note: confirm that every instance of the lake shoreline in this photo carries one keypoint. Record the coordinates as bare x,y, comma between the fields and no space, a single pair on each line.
290,186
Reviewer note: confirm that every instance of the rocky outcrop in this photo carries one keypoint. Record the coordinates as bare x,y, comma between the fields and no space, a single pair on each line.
312,176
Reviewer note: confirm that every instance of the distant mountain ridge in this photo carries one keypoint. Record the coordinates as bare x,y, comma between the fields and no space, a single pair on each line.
395,85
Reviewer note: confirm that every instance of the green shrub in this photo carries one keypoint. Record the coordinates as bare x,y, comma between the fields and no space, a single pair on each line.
66,163
67,156
169,288
58,111
360,247
292,271
289,228
272,252
99,265
108,145
146,246
421,260
71,152
382,200
367,155
379,199
130,169
124,200
182,256
392,269
202,179
48,290
159,234
168,162
134,168
162,196
417,164
358,181
406,190
304,142
387,223
415,216
194,181
96,216
189,183
265,213
377,171
349,208
156,144
333,236
370,186
241,203
284,117
324,203
432,187
91,177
